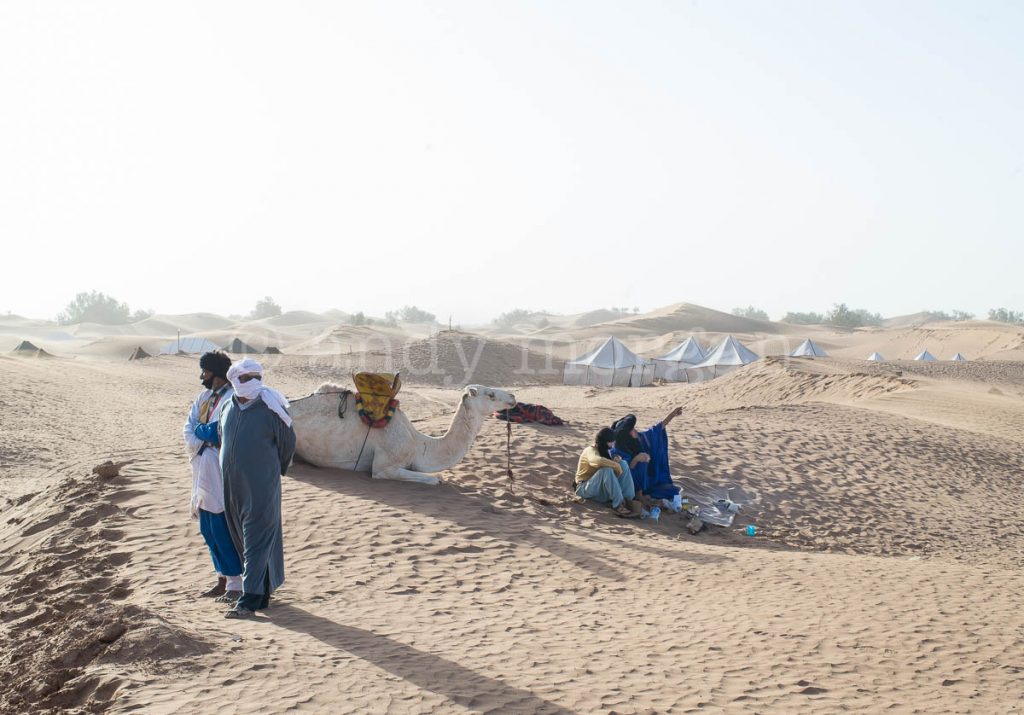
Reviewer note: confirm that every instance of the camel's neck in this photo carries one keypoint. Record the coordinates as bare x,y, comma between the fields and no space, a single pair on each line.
439,453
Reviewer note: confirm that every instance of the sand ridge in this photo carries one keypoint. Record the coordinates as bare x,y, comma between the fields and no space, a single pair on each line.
565,337
885,573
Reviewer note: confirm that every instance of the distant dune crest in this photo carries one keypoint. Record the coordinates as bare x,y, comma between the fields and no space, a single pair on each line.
563,337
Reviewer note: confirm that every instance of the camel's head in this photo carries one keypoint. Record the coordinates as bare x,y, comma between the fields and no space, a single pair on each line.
485,399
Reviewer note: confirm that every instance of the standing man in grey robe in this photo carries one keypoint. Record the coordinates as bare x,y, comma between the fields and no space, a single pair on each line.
258,445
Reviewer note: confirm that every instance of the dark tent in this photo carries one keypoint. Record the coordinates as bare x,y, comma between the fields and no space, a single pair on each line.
27,349
139,354
239,347
271,350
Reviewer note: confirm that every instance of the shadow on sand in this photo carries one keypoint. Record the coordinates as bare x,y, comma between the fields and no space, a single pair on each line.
425,670
472,511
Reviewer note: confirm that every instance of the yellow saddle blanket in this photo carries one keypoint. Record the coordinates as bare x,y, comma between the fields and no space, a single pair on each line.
375,396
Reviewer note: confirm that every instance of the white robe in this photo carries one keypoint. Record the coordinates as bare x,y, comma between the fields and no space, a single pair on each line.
207,482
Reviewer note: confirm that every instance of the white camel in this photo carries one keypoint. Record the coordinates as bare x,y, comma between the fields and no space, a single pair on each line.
397,451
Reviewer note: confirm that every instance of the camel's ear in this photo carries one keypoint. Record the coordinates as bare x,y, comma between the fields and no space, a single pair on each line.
471,391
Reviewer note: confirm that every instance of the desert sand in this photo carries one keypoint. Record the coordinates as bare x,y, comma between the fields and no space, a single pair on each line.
886,573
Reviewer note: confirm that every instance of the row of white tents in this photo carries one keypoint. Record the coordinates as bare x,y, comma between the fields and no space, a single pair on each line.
923,356
612,364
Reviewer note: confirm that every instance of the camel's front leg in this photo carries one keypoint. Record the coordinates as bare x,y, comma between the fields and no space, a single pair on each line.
393,471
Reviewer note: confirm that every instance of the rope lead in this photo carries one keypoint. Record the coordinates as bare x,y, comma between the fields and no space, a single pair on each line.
508,452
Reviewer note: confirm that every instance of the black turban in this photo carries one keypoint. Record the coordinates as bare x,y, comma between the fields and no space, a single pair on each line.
216,362
624,439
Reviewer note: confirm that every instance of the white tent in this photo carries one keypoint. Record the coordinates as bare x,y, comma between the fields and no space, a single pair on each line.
611,364
925,356
959,357
808,348
188,345
876,357
728,356
672,365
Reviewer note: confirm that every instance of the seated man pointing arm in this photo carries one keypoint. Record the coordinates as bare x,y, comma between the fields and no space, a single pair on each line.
647,454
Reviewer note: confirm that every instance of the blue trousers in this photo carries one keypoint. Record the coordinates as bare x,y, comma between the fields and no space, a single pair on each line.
606,486
214,528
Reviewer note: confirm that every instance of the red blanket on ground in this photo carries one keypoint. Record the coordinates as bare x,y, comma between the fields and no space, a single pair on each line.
525,412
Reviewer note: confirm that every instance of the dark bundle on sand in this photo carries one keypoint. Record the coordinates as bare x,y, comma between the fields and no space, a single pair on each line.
27,349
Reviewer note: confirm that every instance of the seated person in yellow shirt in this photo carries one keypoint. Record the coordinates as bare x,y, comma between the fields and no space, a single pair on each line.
602,478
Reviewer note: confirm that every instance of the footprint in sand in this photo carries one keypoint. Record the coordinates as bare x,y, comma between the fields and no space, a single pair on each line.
44,524
806,688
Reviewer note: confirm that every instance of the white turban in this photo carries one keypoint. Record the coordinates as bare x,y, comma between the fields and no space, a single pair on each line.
254,389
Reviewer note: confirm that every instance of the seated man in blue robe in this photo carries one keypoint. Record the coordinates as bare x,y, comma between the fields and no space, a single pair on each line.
647,455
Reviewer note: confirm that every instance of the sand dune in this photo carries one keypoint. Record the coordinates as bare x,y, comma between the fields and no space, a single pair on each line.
673,321
92,331
789,381
120,347
976,340
911,320
343,339
884,575
17,325
186,323
45,334
450,358
297,317
686,317
648,334
593,317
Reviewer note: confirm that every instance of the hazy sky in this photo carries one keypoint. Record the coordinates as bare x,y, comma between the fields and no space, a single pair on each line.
491,155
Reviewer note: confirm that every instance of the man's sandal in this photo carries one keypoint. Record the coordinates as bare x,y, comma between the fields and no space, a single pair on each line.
240,612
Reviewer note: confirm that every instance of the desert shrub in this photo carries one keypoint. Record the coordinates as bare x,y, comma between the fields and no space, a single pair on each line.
843,316
409,314
750,312
803,318
956,315
1002,315
95,308
265,308
517,316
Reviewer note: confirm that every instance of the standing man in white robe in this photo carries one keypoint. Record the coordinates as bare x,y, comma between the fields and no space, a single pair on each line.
202,439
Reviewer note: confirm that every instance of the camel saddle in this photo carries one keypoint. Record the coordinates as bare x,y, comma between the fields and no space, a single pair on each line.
375,397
